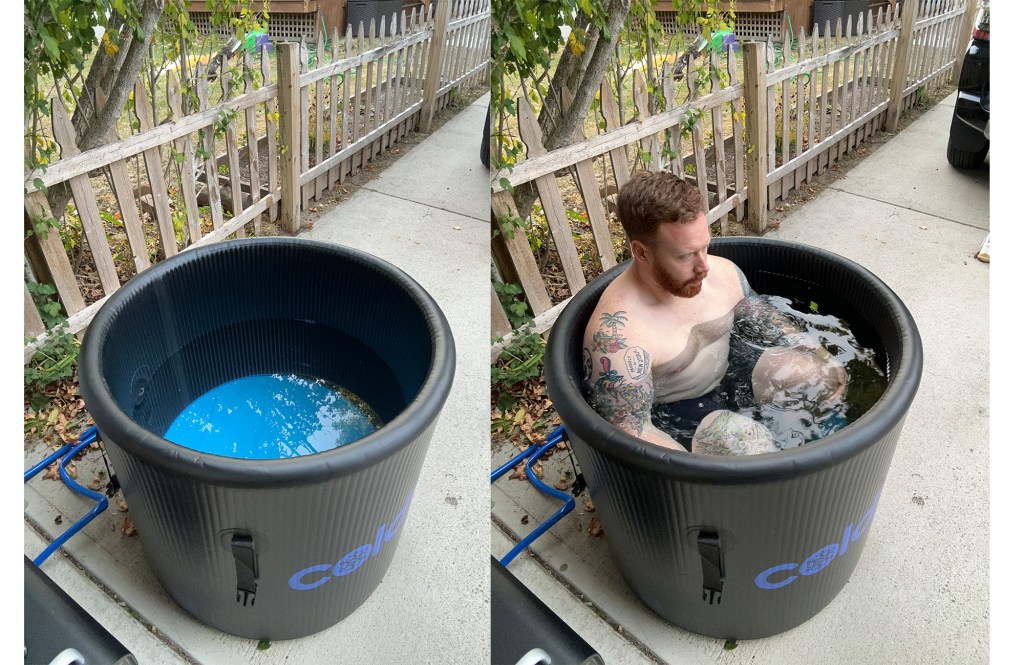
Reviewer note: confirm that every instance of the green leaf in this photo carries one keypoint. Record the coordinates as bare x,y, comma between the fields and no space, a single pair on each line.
505,184
38,184
730,645
263,645
516,43
814,307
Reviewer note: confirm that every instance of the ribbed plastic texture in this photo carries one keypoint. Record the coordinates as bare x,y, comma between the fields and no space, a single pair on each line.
790,525
323,527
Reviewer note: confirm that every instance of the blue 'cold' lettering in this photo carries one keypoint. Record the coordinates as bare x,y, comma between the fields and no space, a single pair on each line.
320,574
775,577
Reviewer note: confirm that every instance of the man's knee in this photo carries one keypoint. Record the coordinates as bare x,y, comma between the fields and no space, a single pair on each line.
783,374
726,433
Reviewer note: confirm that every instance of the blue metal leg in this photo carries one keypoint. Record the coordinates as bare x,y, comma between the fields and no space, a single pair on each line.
534,453
67,453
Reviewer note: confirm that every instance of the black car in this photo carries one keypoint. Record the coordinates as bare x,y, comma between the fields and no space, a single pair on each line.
968,134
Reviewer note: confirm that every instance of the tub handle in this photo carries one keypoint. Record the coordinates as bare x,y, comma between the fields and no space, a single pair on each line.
710,548
246,569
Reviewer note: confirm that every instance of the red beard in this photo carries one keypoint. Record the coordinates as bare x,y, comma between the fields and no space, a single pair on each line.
680,289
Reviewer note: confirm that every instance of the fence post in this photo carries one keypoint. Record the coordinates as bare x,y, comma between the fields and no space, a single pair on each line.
755,95
430,83
291,139
899,72
965,36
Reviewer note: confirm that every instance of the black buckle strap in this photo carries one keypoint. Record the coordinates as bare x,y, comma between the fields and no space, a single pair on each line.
246,569
710,548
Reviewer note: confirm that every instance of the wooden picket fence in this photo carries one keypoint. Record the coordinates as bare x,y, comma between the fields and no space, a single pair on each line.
321,117
806,104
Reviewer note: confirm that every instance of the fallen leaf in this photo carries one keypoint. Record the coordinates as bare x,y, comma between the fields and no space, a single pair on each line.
96,483
122,506
923,228
595,528
562,485
457,228
525,519
52,472
128,528
58,519
588,505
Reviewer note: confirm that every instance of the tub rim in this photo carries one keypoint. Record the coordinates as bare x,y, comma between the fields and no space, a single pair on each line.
582,421
420,414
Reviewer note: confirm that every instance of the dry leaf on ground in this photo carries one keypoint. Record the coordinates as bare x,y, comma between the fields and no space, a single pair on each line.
595,528
128,528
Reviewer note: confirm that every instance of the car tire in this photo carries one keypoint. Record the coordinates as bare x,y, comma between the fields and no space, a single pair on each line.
965,159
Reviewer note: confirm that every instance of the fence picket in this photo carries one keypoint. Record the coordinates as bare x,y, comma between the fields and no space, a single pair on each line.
786,110
33,322
813,101
718,140
318,109
590,190
856,66
610,112
52,250
185,167
649,144
738,144
210,160
85,201
305,129
774,95
518,246
231,147
124,193
271,133
551,200
800,175
674,133
699,157
500,325
358,102
252,145
332,135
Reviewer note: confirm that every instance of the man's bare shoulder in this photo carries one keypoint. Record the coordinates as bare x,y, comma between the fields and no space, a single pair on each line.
622,306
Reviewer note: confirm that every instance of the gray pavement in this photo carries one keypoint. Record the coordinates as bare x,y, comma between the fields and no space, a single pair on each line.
428,214
920,593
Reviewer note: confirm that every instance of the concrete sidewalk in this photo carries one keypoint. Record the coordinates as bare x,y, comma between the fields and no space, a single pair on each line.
921,589
428,214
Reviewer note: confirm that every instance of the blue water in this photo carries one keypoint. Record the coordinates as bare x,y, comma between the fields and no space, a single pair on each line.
272,416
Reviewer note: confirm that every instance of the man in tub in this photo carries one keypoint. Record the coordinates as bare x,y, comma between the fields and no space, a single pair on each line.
660,332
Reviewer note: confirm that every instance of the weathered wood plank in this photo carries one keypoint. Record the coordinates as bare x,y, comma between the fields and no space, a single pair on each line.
590,190
812,102
318,109
306,91
433,72
757,103
648,144
155,170
786,110
185,167
738,143
34,323
288,106
252,144
718,138
52,249
825,119
210,160
899,76
527,272
272,117
800,176
668,89
231,147
139,143
121,185
332,137
499,320
610,111
699,158
85,202
551,200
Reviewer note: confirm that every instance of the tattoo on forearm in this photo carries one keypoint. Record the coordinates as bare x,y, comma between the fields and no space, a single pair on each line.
623,401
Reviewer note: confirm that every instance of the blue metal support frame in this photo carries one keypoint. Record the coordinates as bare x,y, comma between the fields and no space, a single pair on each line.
66,453
533,453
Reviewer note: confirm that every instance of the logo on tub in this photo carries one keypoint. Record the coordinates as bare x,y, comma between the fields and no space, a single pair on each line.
322,573
782,574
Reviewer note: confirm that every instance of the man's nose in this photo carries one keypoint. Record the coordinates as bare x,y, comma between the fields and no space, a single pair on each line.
703,261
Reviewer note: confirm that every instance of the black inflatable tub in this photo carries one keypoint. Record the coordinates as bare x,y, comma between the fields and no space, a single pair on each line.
744,547
274,548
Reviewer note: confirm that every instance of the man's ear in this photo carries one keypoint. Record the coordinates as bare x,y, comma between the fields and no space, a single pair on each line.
640,251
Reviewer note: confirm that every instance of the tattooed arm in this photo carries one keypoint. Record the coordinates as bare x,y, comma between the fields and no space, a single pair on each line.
620,385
